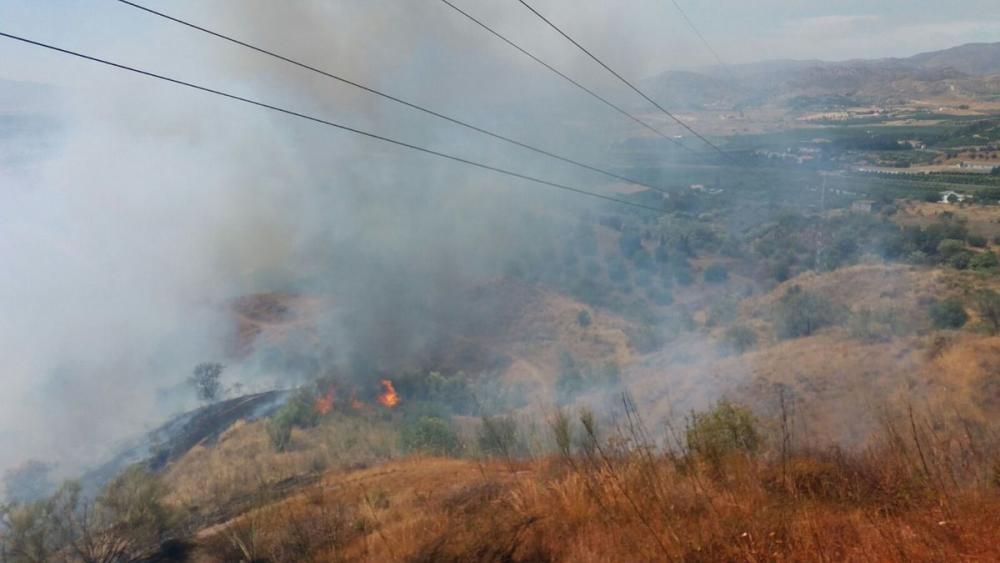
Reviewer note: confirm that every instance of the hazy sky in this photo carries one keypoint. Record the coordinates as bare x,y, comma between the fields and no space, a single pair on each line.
643,36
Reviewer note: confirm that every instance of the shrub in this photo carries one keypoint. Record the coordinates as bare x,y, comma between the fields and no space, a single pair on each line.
961,260
988,306
716,273
583,318
683,275
948,313
299,411
986,260
740,338
724,430
801,313
950,247
134,505
977,241
429,434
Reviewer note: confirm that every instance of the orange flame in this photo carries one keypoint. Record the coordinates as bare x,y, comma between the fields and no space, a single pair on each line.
324,404
389,397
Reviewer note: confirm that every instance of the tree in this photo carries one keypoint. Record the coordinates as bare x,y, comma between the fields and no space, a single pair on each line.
205,380
988,306
583,318
802,313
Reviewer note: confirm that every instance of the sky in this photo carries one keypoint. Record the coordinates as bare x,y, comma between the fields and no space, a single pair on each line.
644,36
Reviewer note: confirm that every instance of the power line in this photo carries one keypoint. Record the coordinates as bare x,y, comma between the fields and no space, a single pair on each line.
559,73
624,81
342,127
398,100
698,33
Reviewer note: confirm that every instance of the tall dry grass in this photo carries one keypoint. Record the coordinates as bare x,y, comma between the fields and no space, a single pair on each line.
928,489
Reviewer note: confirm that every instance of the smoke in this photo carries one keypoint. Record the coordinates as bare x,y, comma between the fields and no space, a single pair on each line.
154,205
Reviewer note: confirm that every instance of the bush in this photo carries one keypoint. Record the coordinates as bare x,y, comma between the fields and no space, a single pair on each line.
801,313
583,318
977,241
948,313
988,306
950,247
986,260
429,434
740,338
128,521
683,275
725,430
299,411
716,273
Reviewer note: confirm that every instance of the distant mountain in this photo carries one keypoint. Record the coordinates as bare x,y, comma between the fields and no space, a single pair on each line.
969,71
973,58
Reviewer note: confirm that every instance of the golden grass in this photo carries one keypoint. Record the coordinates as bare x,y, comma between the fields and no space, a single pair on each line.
903,501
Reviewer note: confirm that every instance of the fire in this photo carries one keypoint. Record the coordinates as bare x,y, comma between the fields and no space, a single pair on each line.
389,397
324,404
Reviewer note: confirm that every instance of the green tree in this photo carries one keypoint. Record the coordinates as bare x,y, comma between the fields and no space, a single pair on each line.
801,313
205,380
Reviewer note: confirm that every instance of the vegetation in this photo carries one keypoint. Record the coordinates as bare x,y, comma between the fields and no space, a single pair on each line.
430,434
802,313
988,306
205,380
128,522
299,412
725,430
948,313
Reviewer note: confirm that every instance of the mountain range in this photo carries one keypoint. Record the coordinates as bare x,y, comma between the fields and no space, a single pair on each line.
966,72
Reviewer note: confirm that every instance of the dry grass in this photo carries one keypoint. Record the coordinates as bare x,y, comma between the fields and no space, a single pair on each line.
244,461
927,490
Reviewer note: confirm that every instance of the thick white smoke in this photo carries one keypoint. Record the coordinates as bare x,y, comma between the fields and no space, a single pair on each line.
153,204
